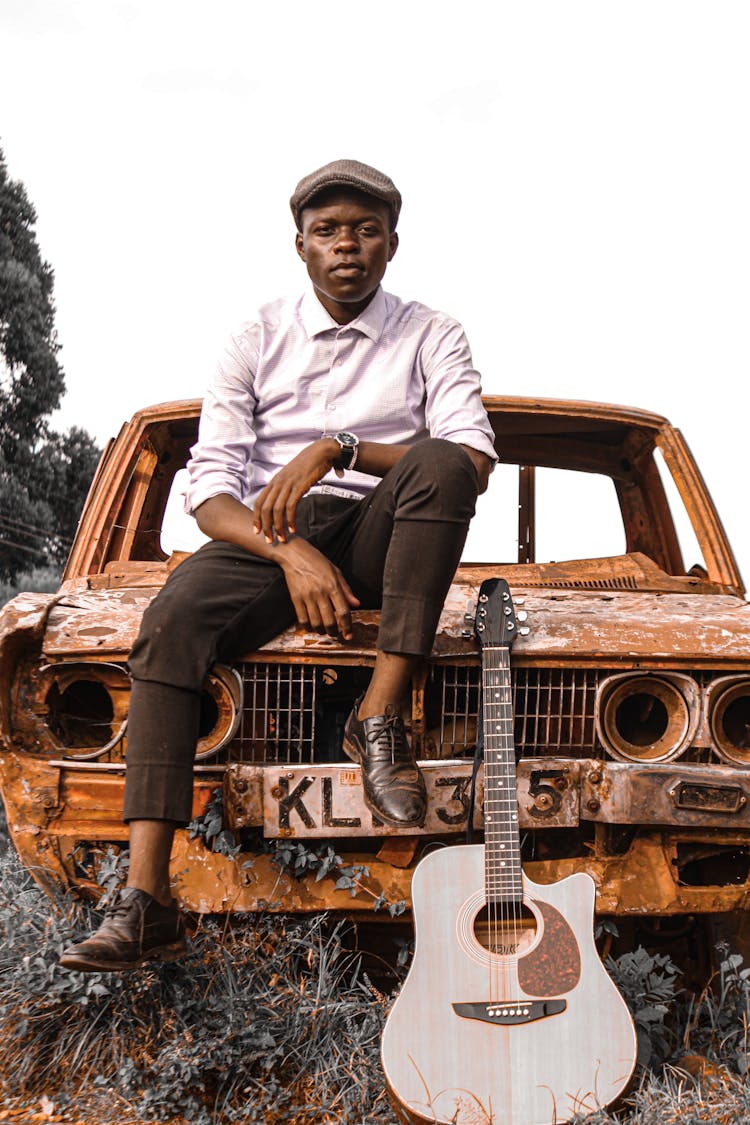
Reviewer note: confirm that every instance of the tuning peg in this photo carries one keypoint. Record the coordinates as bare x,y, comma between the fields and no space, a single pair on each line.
466,634
522,615
524,630
469,618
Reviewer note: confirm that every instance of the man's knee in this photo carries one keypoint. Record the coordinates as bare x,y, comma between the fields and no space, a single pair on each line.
438,481
165,648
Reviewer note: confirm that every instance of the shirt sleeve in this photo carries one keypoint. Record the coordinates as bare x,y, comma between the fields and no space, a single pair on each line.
220,461
453,407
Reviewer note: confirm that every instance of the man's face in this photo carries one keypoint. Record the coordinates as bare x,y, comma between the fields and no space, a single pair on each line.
346,244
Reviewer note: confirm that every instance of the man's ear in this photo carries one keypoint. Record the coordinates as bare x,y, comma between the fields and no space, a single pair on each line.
299,243
393,245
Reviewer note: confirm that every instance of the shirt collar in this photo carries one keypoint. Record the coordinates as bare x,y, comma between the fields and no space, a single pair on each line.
315,319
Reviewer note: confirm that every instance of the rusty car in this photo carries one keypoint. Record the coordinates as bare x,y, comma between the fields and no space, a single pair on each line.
631,688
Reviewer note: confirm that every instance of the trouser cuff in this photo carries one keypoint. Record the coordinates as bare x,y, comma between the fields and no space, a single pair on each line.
162,734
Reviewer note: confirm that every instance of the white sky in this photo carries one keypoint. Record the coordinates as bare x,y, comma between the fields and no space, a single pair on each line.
575,173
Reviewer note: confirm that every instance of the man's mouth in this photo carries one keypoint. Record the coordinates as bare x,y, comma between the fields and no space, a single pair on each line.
347,267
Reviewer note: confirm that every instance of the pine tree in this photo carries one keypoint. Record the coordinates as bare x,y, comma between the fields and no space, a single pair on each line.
44,475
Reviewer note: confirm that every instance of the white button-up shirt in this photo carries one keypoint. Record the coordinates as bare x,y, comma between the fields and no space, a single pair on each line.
398,373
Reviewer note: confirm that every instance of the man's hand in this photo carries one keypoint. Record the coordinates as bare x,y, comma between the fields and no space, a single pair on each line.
323,600
276,506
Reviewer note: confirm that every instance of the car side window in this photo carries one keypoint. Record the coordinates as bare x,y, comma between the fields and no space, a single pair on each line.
688,540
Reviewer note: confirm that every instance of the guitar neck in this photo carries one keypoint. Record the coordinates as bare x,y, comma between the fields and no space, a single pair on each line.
502,849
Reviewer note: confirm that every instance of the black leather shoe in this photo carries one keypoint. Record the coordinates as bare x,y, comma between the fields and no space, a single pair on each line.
136,928
393,786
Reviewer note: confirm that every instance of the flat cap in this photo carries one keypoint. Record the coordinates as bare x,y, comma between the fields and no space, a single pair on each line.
346,174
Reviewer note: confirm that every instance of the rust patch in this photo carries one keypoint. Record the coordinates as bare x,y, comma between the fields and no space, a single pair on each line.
210,883
22,623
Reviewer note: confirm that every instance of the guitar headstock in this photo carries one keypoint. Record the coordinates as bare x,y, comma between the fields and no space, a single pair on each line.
496,621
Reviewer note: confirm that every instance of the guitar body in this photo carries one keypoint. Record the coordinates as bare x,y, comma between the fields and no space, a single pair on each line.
517,1055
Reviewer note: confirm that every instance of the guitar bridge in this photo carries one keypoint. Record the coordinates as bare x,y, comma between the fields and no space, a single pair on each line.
511,1011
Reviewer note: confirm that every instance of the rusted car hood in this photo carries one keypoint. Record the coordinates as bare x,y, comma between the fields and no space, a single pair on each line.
564,626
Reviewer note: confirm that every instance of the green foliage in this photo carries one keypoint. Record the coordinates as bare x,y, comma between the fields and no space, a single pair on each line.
32,382
210,827
719,1020
648,983
44,476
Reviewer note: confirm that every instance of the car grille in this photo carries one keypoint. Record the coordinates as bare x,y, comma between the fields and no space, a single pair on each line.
296,713
553,710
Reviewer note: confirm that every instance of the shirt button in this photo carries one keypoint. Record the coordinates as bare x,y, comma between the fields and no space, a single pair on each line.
331,407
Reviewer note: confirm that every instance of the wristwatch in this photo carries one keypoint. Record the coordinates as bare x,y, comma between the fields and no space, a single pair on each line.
349,448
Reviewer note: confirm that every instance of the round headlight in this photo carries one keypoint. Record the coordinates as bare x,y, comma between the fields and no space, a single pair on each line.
730,722
221,710
85,707
644,718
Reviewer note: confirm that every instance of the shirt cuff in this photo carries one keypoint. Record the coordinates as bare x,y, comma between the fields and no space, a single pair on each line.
211,484
474,438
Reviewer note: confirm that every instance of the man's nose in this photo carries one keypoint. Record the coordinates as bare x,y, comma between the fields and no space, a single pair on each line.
347,240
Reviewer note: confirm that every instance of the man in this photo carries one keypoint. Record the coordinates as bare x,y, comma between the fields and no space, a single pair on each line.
341,449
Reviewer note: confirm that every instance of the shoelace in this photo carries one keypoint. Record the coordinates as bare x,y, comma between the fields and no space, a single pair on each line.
392,727
123,907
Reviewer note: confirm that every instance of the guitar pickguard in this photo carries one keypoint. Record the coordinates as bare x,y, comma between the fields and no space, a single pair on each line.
553,966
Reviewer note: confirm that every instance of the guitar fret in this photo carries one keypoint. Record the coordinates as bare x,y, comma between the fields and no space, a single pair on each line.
503,872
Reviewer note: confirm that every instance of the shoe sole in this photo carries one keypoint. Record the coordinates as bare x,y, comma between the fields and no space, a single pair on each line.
172,952
351,751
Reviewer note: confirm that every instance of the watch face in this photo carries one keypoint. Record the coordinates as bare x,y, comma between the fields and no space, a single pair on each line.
346,439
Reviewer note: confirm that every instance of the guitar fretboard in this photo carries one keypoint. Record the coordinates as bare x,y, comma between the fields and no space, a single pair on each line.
502,849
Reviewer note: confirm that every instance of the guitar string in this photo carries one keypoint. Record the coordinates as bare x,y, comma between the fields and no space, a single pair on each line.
504,898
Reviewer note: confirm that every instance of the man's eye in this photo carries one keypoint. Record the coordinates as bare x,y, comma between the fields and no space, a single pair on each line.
323,230
371,232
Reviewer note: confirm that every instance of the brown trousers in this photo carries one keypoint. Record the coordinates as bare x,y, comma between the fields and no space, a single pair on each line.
398,549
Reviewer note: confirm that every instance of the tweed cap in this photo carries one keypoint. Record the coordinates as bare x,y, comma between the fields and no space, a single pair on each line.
346,174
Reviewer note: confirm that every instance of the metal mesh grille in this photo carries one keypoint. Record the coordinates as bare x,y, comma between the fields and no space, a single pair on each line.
283,709
553,709
459,704
278,716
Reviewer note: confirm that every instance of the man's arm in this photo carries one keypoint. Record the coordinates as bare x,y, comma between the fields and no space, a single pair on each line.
276,506
483,465
321,596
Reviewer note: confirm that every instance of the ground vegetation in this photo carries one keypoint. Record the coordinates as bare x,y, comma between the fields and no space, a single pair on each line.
278,1019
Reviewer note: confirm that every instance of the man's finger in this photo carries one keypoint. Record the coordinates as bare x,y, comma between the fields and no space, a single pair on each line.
279,516
343,602
290,511
313,616
300,612
349,594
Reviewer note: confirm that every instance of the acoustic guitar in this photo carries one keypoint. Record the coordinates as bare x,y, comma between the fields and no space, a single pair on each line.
507,1015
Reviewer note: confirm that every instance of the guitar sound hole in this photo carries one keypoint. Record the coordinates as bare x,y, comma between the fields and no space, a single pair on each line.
505,929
